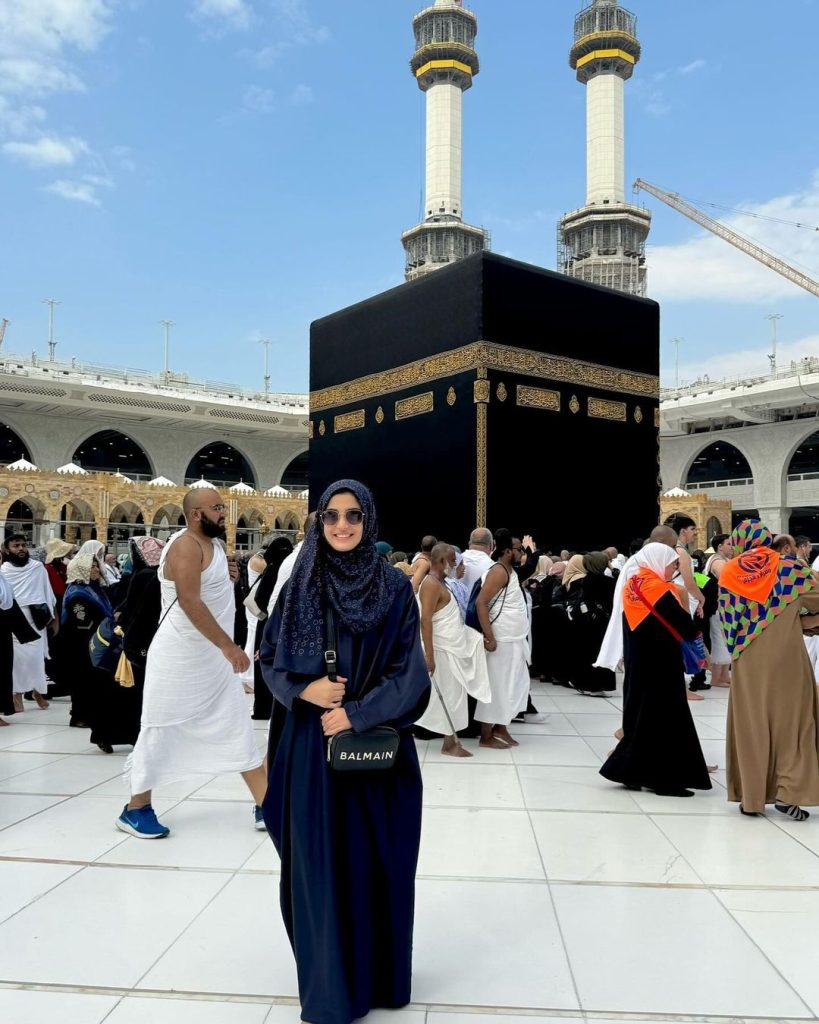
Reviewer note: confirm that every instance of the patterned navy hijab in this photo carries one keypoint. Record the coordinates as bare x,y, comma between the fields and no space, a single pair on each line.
359,584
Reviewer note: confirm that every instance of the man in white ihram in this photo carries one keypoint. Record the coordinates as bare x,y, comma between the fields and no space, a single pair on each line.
33,593
195,719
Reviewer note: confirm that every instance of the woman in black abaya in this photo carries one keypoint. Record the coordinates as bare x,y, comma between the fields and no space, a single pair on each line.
348,841
660,749
274,554
589,601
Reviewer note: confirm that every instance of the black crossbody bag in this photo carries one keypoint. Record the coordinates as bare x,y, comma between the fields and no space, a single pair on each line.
370,751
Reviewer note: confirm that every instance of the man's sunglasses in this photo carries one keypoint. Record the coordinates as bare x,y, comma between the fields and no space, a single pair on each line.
354,516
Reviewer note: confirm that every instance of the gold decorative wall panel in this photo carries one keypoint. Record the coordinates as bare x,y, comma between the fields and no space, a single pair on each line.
355,420
602,409
480,391
415,406
481,355
481,474
451,397
538,398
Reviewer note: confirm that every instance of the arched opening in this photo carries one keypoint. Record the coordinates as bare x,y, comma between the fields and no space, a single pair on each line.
109,451
20,519
12,447
295,475
77,522
805,521
250,529
719,465
713,527
125,521
804,464
221,464
739,514
167,520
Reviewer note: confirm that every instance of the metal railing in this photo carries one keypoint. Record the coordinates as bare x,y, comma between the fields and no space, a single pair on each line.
705,485
808,365
179,383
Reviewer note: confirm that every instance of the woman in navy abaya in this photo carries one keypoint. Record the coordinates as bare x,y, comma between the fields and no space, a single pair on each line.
348,841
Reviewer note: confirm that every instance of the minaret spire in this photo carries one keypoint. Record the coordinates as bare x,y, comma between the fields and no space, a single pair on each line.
604,241
444,63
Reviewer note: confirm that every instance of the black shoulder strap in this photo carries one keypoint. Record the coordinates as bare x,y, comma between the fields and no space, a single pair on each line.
331,640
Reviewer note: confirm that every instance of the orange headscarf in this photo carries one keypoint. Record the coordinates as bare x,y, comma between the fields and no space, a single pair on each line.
648,585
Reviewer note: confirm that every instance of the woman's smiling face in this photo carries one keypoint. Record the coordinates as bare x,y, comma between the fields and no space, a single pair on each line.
341,534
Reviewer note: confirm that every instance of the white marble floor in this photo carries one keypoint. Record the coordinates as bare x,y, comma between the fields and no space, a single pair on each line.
544,892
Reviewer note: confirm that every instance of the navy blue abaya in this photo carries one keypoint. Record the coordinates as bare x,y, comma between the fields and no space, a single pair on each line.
348,841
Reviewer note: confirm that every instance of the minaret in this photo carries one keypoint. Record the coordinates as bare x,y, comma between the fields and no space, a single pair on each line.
604,241
444,64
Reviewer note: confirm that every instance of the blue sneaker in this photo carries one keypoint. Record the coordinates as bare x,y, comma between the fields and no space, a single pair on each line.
258,819
141,823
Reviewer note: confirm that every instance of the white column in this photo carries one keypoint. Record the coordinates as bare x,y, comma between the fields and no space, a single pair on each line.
444,149
605,139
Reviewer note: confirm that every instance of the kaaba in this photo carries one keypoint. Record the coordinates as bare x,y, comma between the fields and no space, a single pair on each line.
492,393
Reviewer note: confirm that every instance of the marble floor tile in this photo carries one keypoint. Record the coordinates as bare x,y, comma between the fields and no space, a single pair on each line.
551,788
20,731
244,917
596,725
222,787
60,741
587,847
264,858
203,835
516,960
24,882
66,776
478,843
784,925
708,801
478,785
14,808
18,1006
554,750
641,960
555,724
740,851
122,919
13,764
136,1010
480,755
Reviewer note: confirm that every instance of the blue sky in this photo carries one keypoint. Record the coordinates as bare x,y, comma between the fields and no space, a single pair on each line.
245,166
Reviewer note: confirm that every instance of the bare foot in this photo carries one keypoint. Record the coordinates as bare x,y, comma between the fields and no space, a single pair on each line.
455,751
619,734
695,696
18,703
3,722
494,744
722,686
502,733
712,768
42,703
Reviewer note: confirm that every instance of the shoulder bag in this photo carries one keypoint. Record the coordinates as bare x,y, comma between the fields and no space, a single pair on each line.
349,751
250,602
693,651
40,614
471,617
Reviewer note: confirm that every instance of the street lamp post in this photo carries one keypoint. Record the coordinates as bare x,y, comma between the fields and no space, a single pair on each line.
773,317
266,343
52,344
167,324
676,342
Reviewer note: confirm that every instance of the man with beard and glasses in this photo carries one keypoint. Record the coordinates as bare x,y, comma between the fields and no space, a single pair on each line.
33,593
195,719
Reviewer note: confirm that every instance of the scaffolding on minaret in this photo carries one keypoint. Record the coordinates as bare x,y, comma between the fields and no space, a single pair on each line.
604,242
444,63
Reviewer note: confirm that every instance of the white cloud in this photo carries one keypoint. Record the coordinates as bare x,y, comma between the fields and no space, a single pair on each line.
47,151
301,96
16,120
708,268
50,25
34,76
294,28
77,191
695,65
232,14
259,100
750,362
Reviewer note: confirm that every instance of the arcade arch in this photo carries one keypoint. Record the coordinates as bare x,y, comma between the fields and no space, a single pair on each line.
295,474
12,446
22,516
167,520
719,464
110,451
221,464
250,530
125,521
77,522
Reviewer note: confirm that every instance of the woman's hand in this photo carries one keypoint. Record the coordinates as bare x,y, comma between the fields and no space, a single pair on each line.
323,693
334,722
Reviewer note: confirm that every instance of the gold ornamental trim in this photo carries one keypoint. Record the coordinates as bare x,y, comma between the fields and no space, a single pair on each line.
355,420
451,397
481,474
602,409
322,428
480,392
638,414
657,418
482,355
574,405
379,415
538,398
418,405
310,430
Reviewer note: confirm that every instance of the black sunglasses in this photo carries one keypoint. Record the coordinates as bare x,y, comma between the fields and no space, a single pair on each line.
354,516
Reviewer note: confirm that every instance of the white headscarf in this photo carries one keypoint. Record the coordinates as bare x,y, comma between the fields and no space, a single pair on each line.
79,568
657,558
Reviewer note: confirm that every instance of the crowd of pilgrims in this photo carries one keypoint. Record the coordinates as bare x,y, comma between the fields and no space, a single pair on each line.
444,645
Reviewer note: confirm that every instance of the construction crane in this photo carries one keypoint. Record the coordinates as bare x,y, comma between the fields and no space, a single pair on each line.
676,202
